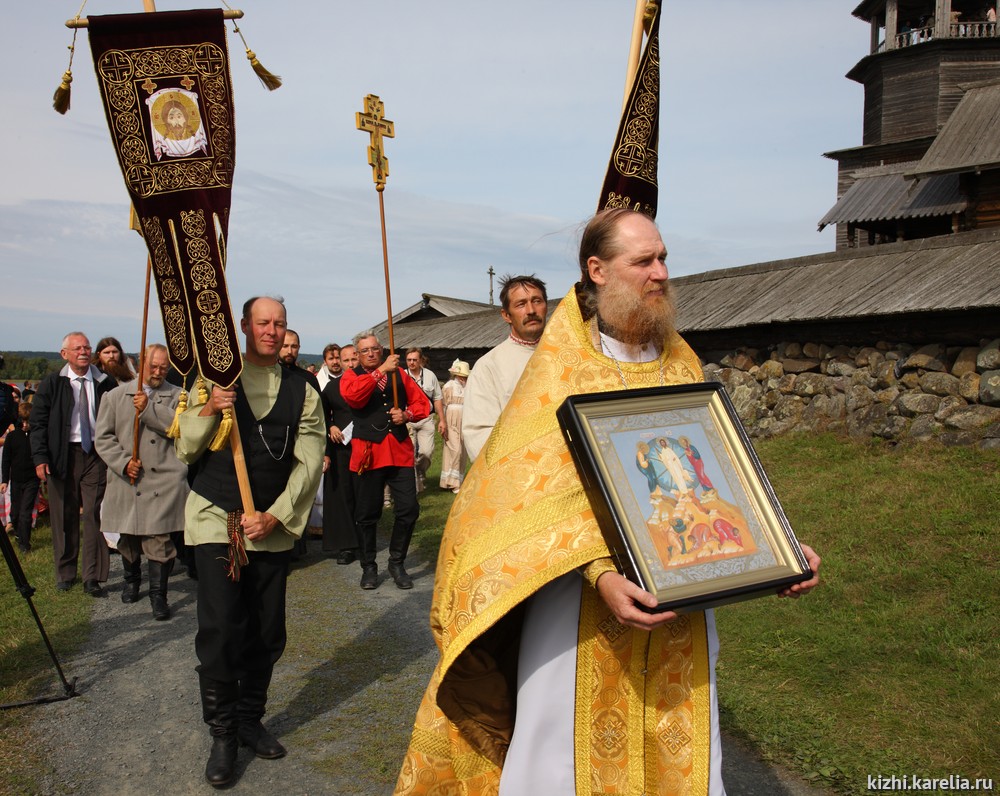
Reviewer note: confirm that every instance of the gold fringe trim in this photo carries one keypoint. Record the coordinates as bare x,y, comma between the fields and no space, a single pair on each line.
221,438
174,432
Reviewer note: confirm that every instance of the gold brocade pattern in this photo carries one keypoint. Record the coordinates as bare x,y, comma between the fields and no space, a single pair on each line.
520,521
646,696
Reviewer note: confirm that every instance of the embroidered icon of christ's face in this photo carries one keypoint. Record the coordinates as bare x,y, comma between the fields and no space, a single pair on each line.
176,120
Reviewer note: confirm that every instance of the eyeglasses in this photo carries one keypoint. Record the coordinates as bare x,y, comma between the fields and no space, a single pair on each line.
372,350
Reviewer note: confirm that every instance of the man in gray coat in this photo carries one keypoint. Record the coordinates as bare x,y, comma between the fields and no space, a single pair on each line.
145,496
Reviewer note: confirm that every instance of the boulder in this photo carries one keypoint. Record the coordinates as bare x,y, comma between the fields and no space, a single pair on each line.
885,374
799,365
965,362
809,384
924,427
937,383
928,357
911,404
968,386
949,404
770,370
972,418
840,367
989,356
859,397
863,377
989,388
868,356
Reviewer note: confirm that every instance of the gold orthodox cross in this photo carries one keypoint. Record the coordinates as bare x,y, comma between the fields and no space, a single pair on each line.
373,122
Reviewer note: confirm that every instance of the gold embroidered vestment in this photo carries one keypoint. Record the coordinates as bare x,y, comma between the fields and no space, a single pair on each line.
521,520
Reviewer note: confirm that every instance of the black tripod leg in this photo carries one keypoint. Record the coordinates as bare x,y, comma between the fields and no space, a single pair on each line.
27,590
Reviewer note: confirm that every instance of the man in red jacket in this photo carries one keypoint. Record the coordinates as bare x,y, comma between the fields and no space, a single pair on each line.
383,399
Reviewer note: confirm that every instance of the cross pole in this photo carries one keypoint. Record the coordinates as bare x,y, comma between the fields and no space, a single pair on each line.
372,121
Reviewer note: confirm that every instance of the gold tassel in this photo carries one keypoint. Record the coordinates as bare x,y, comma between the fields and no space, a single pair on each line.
60,100
202,391
174,432
268,79
221,438
237,558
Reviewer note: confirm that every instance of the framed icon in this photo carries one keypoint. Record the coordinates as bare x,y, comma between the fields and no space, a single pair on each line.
680,495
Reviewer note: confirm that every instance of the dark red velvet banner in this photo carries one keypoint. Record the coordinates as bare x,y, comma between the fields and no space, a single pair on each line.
631,176
164,79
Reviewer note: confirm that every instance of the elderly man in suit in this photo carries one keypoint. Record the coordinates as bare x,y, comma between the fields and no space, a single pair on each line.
146,492
63,417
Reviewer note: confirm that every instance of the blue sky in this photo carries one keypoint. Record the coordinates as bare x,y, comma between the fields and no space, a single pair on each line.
504,114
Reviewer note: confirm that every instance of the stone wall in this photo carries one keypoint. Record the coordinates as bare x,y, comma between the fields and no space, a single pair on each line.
892,390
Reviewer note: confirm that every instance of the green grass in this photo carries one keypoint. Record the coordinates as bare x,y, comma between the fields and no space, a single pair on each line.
27,672
889,667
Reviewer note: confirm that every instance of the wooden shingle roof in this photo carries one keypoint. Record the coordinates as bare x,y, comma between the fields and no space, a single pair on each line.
943,274
883,193
968,141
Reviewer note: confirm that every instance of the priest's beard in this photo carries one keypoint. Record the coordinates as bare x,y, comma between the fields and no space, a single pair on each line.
635,319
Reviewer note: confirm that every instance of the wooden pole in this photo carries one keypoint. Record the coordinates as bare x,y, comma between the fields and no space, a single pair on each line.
149,7
142,357
388,296
635,50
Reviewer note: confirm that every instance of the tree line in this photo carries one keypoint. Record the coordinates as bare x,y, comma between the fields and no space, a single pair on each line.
21,366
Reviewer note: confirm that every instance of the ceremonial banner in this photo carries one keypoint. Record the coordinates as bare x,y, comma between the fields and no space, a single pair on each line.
164,80
631,176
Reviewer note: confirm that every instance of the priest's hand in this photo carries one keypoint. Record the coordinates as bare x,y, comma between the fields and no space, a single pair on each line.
796,590
133,469
621,596
259,525
140,400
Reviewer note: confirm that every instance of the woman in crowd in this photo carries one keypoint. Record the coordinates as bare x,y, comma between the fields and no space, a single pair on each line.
453,459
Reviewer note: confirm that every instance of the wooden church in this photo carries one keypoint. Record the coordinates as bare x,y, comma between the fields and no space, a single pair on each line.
929,162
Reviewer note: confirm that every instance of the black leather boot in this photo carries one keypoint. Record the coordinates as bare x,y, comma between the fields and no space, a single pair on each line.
158,577
218,706
250,709
400,575
133,577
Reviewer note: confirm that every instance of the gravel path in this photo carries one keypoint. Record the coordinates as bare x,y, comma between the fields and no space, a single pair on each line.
342,700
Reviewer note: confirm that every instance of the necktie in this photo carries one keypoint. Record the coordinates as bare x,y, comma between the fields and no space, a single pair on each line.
86,439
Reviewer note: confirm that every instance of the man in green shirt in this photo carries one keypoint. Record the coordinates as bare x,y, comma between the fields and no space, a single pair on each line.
241,619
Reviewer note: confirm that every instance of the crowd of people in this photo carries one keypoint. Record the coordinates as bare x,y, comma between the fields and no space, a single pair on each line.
528,606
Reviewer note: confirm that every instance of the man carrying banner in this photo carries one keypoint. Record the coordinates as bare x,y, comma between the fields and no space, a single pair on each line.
241,612
608,697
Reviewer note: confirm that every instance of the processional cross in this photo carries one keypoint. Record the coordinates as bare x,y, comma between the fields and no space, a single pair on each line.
372,121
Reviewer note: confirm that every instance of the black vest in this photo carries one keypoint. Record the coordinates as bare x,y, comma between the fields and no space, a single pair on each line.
372,421
268,447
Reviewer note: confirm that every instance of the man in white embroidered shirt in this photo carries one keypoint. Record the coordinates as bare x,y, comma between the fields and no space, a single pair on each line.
524,304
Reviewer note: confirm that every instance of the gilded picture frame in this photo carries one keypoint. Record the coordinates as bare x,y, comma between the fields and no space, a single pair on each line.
680,495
